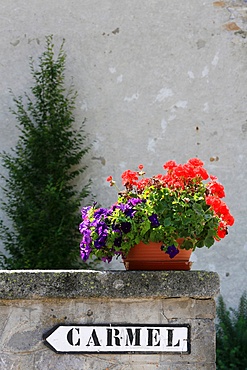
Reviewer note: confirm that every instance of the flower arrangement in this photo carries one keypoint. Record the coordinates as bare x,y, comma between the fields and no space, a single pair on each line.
183,203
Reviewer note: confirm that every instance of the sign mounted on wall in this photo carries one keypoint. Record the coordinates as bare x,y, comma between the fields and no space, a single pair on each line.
119,338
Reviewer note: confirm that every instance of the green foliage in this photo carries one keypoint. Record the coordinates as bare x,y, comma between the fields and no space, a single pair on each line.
40,195
231,336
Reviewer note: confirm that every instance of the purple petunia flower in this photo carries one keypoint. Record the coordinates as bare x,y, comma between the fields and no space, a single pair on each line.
172,251
106,259
154,220
126,209
130,212
84,212
102,212
134,201
121,206
126,227
84,226
84,251
118,241
100,227
101,241
86,239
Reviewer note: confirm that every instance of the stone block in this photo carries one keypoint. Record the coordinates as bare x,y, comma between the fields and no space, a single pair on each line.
33,302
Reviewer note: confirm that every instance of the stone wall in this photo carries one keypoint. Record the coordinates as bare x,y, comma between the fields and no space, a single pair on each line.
156,80
33,302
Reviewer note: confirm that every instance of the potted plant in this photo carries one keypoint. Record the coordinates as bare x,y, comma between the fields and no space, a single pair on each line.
180,210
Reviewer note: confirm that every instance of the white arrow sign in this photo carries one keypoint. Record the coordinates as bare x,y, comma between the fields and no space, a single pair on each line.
118,338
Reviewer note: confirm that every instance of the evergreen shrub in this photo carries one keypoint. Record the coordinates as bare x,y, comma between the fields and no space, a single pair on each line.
231,336
41,199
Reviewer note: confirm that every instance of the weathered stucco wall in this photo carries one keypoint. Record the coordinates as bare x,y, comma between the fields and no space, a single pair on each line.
156,80
33,302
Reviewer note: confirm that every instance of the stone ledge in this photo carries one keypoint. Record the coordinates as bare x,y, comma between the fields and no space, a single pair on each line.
40,284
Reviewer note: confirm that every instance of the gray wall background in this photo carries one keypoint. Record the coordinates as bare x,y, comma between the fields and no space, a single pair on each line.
156,80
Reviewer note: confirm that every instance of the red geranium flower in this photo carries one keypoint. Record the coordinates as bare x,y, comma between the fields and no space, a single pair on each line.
129,178
202,173
142,184
169,165
222,232
195,162
216,188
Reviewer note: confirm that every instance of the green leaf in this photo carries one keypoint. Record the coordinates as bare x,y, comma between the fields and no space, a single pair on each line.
167,221
198,208
145,227
187,244
209,241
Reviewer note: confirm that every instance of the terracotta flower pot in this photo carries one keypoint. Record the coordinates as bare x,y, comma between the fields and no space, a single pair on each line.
151,257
